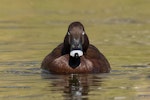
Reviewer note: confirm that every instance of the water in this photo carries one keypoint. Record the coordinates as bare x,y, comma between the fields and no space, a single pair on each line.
29,30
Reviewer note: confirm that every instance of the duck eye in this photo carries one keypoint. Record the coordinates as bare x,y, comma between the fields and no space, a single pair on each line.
68,33
83,33
83,38
68,37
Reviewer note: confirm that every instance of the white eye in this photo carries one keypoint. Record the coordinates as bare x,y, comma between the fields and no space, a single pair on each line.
68,33
83,33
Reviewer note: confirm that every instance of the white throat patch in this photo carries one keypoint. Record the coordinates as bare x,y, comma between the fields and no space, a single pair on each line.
79,52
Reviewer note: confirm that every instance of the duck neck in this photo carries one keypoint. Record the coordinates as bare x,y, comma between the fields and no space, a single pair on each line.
74,62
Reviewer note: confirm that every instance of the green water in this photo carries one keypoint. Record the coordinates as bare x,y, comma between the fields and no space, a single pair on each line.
30,29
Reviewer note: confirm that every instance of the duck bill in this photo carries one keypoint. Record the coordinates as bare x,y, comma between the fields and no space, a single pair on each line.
76,50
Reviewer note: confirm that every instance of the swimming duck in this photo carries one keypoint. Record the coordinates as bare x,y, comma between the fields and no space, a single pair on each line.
75,54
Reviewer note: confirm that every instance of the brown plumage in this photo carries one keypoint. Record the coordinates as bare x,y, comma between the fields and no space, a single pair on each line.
85,57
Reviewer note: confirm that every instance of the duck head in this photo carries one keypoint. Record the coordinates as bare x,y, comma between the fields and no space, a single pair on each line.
76,41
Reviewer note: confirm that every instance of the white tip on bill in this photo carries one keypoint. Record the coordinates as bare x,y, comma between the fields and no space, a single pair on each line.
79,52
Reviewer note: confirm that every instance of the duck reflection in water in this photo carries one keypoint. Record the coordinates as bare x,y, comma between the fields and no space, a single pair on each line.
76,87
73,86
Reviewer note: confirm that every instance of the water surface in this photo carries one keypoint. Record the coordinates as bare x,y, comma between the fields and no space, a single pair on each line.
29,30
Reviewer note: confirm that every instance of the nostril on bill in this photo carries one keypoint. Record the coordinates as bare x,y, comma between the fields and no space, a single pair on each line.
76,55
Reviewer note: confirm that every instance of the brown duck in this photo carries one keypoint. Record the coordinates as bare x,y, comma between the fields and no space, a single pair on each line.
75,54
